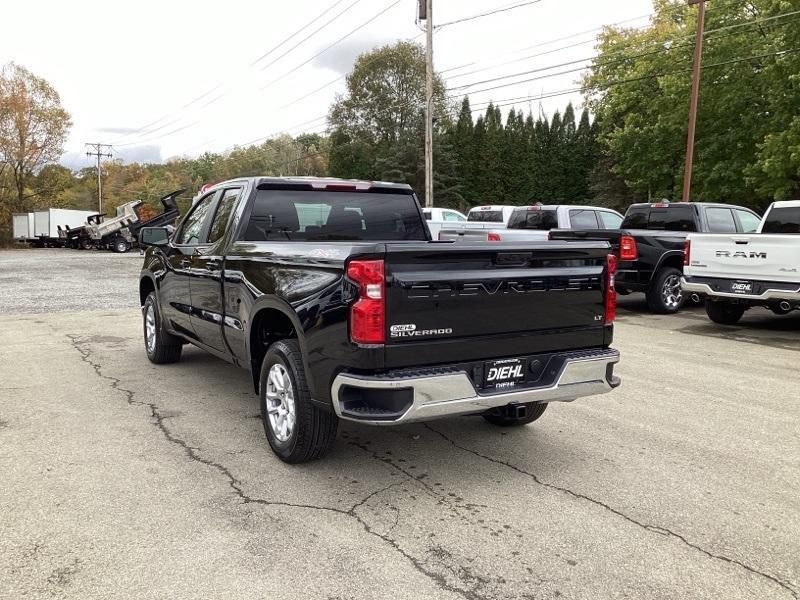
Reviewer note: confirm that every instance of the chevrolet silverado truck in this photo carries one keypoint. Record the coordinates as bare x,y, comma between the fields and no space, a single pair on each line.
737,272
331,293
531,223
649,245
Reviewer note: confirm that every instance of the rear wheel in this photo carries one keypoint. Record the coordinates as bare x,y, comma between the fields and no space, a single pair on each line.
87,244
509,416
665,295
160,346
724,313
120,245
298,431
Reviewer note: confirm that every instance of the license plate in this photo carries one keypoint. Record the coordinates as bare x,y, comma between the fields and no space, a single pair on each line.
498,374
742,287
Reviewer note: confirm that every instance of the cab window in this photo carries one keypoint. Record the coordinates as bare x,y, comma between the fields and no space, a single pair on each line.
609,220
222,216
720,220
192,227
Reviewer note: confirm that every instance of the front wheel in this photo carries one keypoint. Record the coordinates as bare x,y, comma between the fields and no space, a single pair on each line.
724,313
665,295
507,416
161,347
298,431
121,246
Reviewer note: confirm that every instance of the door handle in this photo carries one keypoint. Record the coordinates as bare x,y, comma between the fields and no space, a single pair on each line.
185,262
214,263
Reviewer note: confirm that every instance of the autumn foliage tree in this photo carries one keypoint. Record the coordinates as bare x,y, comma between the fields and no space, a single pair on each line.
33,129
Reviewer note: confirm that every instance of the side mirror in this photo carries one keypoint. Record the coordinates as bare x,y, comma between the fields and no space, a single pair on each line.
154,236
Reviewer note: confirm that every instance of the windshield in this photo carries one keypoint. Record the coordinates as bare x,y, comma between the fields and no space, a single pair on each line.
533,219
280,215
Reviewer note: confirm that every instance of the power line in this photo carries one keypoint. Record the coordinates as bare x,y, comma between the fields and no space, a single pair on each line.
303,28
487,13
662,49
553,41
600,87
351,5
340,40
145,129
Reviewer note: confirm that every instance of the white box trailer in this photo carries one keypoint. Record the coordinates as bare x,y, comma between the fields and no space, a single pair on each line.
46,222
22,226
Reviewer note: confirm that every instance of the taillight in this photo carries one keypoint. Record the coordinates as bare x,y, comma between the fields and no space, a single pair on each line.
366,314
492,237
687,251
627,248
611,292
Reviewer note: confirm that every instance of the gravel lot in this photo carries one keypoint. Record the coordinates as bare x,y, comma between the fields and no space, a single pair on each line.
121,479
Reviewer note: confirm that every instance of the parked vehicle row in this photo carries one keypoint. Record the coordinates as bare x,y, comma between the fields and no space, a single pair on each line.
85,230
335,297
526,223
650,243
737,272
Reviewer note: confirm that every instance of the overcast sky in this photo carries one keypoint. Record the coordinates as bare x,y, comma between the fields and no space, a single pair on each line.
128,72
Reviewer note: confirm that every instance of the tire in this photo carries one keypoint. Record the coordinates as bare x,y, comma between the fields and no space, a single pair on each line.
664,297
298,431
86,244
162,348
120,246
724,313
501,418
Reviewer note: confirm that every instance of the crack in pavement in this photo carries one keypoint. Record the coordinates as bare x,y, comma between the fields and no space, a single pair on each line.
193,454
663,531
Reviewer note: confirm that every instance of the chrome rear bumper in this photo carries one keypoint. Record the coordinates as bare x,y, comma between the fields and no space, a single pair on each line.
765,296
453,393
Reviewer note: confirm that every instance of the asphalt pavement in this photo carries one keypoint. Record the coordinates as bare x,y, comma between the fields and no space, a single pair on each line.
123,479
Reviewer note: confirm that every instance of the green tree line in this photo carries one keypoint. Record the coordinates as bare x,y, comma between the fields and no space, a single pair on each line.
626,144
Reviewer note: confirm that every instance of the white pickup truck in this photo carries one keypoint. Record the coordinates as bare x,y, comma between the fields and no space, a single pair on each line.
532,223
738,271
438,218
479,219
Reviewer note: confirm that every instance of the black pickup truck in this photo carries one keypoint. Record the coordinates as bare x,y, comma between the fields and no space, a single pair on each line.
650,243
333,295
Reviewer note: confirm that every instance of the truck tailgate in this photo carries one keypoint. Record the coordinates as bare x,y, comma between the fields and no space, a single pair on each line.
758,257
492,300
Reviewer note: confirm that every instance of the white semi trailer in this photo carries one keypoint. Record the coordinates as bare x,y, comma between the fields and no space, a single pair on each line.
22,226
47,221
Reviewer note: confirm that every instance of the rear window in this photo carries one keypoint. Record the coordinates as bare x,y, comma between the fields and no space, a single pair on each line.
486,216
533,219
282,215
672,218
783,220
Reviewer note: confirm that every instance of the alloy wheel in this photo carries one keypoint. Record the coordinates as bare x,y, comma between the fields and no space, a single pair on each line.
671,292
150,328
280,402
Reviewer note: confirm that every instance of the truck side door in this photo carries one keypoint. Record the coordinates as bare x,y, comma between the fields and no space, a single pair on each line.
206,275
174,291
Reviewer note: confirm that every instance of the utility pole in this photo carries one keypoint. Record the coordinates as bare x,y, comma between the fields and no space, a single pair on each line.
97,150
426,13
698,56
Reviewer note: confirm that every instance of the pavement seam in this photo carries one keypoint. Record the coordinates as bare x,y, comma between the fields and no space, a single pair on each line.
192,453
663,531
